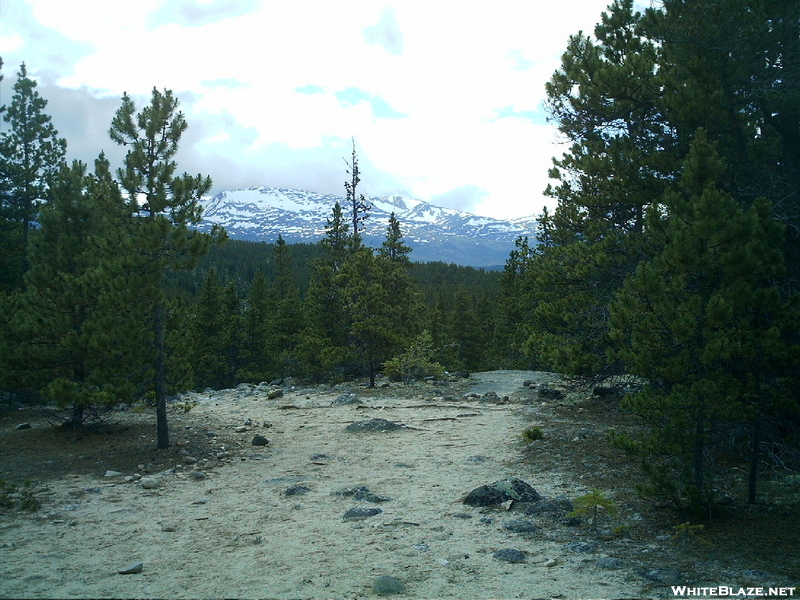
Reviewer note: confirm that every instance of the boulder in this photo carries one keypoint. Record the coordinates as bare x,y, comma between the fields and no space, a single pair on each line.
502,491
260,440
511,555
386,585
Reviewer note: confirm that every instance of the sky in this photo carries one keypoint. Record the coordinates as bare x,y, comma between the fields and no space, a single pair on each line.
443,98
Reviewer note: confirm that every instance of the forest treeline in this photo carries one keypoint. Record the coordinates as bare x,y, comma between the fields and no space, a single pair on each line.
669,268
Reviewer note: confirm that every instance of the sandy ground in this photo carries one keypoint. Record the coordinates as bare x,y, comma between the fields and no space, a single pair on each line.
236,534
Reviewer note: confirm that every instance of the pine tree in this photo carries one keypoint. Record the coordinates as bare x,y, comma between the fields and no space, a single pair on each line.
163,207
286,318
359,207
30,152
702,322
79,328
255,332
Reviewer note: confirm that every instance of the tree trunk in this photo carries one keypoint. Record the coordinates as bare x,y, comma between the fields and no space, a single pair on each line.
160,378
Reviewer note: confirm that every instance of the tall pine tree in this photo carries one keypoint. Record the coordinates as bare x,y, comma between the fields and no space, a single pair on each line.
163,206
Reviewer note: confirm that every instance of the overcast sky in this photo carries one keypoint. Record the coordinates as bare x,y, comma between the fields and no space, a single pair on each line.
443,98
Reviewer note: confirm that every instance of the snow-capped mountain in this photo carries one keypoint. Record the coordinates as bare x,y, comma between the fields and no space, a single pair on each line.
434,233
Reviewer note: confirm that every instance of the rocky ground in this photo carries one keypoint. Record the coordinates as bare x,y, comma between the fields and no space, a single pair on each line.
317,492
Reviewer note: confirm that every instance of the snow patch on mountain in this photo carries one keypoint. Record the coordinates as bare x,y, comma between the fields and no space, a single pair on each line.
434,233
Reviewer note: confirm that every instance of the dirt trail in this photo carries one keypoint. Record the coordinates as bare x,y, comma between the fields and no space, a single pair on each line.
268,522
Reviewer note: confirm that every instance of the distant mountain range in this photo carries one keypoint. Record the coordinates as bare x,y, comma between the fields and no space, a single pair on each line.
434,233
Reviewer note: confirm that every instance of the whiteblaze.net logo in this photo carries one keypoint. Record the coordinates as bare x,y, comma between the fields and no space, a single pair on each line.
724,591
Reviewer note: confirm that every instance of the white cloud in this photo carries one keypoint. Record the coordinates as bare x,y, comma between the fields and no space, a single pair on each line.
243,70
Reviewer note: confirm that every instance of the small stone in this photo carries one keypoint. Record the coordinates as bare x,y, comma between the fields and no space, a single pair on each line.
380,425
345,399
241,429
275,394
149,483
607,562
23,426
581,546
551,563
519,526
132,568
386,585
190,460
297,490
169,527
112,474
511,555
197,475
366,496
260,440
361,512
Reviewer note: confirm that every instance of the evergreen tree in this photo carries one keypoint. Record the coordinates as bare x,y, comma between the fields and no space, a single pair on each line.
30,153
79,329
323,345
214,334
359,207
286,318
163,206
255,332
702,322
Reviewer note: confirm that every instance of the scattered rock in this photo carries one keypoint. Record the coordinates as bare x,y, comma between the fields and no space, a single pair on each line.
351,491
511,555
149,483
386,585
197,475
581,546
260,440
607,562
490,397
94,490
519,526
373,425
275,394
560,504
551,563
364,495
169,527
296,490
344,399
529,383
23,426
477,458
241,429
502,491
664,576
132,568
545,391
112,474
361,512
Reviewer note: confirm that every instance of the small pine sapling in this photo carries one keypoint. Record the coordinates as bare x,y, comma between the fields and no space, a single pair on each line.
590,505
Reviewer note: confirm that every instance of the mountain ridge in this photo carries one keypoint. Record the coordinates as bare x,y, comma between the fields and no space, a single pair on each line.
434,233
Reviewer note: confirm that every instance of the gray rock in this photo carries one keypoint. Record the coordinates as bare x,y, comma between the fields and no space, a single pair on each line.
664,576
361,512
519,526
502,491
511,555
260,440
607,562
581,546
112,474
344,399
351,491
275,394
561,504
549,393
149,483
366,496
132,568
378,425
296,490
197,475
23,426
386,585
490,397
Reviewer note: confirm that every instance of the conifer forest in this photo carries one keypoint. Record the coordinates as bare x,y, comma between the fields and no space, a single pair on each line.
668,271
